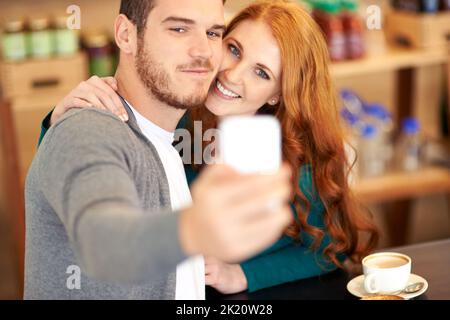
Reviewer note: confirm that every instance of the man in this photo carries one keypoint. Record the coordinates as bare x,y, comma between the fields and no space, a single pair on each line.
108,201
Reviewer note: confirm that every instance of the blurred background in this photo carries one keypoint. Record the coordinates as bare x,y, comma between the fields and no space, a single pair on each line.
390,68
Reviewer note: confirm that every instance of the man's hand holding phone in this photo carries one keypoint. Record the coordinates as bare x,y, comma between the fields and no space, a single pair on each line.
236,215
242,206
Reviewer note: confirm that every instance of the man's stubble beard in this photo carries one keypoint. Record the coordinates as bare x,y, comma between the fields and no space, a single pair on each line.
157,81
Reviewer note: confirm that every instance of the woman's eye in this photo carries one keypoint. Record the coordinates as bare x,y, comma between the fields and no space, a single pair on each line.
261,73
234,51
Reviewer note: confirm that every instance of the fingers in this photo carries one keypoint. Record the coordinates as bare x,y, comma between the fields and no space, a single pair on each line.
209,269
263,232
257,184
111,81
241,214
235,187
90,94
210,263
80,103
218,172
210,280
276,221
211,272
99,95
210,260
261,195
262,202
107,93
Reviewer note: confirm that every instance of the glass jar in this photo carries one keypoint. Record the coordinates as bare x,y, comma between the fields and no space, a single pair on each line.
100,54
14,42
66,40
41,38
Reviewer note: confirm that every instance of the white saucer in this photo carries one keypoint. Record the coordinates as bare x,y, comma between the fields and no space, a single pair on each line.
356,287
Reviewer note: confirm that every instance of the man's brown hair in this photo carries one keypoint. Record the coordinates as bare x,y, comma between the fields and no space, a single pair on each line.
137,11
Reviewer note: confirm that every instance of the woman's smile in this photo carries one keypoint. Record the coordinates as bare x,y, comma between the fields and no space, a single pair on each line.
224,92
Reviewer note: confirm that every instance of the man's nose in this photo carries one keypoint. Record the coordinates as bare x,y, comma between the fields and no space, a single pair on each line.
201,48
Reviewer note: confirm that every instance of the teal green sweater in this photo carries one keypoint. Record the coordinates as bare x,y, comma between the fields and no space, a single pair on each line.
286,260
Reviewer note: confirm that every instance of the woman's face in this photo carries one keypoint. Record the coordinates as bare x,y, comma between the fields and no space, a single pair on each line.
250,74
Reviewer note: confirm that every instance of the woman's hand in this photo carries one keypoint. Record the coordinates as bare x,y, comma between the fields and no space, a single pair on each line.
94,93
225,278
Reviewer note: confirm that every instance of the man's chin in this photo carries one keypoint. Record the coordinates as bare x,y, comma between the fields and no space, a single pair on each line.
194,99
187,103
192,103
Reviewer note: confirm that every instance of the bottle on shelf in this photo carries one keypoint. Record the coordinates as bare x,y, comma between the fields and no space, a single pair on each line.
41,38
307,5
14,40
425,6
430,6
353,29
101,62
445,5
326,15
352,102
408,146
371,129
379,116
370,157
66,40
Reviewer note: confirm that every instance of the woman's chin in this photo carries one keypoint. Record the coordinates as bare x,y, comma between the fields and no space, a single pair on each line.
214,108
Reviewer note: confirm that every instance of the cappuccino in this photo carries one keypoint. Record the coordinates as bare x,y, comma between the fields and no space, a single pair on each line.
383,262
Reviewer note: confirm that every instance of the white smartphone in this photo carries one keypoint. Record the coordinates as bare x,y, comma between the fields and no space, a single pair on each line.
250,144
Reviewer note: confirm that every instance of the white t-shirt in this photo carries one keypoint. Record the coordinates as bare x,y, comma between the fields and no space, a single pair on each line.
190,280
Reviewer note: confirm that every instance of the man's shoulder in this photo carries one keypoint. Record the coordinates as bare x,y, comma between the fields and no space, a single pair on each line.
88,116
90,123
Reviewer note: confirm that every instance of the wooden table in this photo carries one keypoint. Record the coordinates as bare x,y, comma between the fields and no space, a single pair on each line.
430,260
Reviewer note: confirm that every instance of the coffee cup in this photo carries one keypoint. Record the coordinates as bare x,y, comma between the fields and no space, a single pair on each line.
386,272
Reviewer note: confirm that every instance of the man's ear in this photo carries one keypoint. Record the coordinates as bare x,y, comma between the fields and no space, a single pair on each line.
125,34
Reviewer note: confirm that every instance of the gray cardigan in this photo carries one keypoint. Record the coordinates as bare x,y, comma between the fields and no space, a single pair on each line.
97,197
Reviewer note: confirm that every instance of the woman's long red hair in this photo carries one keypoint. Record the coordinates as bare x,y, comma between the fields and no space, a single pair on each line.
311,130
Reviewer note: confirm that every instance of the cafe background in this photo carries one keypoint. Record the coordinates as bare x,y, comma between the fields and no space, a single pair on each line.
392,87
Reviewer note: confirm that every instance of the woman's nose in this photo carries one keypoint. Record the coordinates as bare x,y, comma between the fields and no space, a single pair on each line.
234,73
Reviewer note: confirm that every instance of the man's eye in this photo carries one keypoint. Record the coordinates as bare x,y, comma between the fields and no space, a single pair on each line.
234,51
261,73
178,30
213,34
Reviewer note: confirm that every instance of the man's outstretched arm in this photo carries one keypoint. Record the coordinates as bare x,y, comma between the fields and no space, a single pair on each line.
86,180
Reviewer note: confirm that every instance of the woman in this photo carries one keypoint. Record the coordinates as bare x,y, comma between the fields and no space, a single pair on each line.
276,62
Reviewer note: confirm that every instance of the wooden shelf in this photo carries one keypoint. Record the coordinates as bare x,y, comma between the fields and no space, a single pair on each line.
403,185
392,59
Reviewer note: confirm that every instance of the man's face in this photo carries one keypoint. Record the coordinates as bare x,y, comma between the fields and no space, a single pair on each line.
180,51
